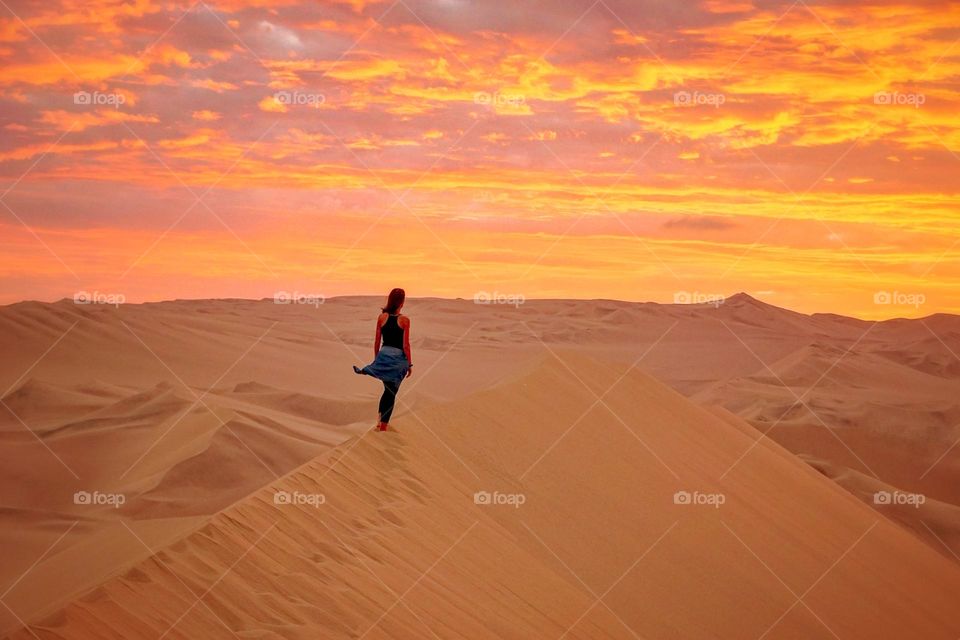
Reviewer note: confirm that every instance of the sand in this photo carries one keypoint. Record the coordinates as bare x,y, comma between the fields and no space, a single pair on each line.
198,412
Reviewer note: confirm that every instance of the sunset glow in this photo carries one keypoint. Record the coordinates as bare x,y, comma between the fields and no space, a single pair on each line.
804,152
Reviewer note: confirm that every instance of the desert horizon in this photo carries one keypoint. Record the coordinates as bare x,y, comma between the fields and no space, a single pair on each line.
493,298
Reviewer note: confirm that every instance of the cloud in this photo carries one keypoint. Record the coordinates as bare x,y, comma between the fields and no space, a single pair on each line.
206,115
569,121
701,223
79,121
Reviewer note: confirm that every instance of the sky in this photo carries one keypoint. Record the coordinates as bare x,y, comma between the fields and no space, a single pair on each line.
805,152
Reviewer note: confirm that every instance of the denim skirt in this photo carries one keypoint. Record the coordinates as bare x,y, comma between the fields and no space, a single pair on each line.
390,365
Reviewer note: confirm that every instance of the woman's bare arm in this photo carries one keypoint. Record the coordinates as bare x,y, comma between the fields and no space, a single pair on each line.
376,339
406,340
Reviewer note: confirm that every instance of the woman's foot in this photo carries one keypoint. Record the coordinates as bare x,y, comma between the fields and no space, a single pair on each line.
357,370
383,426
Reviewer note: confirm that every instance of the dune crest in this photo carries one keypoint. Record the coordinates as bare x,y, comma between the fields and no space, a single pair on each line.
501,515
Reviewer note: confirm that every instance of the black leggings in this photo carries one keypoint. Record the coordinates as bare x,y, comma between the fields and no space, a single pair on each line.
388,399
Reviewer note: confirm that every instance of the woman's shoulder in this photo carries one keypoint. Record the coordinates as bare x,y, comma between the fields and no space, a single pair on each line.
403,320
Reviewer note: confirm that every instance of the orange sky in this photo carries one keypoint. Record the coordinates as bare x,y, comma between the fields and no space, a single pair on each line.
804,152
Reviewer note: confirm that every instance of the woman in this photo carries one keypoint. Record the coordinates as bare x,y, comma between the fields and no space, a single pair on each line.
391,362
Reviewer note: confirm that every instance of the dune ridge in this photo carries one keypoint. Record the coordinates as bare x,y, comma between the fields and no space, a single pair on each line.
175,455
188,406
599,548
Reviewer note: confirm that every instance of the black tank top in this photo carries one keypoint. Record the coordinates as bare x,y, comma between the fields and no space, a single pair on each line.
392,333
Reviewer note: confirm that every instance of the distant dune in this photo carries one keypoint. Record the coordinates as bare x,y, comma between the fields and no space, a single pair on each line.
197,412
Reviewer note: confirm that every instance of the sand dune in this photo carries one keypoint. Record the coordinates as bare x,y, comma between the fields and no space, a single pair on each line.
189,408
174,459
598,549
936,522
